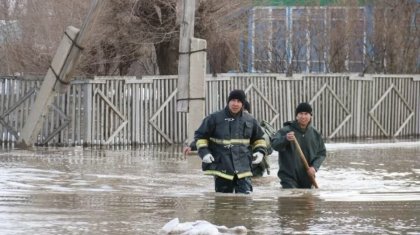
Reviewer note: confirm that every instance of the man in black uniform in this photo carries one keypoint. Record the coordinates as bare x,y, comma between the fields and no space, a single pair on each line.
229,142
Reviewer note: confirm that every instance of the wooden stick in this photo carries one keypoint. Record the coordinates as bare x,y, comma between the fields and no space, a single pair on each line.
305,163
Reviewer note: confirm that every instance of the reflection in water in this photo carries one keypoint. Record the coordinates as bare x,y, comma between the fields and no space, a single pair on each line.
301,219
124,190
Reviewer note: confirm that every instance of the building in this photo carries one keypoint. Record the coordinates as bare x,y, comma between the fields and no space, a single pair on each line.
284,38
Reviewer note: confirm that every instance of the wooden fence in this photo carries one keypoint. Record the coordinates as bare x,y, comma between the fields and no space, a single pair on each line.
129,111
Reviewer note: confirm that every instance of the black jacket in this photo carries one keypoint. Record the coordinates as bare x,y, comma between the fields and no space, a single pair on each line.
231,141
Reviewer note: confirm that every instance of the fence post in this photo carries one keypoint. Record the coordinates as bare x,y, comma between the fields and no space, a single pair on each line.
289,102
87,106
416,81
358,114
360,96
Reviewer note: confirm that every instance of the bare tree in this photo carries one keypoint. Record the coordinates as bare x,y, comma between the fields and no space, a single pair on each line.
134,29
38,27
394,45
137,37
129,34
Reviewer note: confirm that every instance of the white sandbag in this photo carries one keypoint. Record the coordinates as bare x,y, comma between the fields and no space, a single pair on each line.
199,227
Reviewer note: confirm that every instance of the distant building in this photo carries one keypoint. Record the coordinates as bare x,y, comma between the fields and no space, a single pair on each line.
285,36
305,38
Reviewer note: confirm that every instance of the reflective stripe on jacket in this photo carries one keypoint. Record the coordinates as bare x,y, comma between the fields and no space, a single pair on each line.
231,141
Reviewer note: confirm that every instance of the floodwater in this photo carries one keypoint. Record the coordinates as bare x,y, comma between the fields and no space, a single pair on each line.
364,188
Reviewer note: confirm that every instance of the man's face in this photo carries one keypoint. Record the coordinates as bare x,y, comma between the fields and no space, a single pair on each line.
235,106
303,119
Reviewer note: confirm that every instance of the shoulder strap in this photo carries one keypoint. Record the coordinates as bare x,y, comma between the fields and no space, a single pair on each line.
268,128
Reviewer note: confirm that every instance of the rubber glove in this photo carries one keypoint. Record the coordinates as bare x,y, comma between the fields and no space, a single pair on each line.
208,158
258,157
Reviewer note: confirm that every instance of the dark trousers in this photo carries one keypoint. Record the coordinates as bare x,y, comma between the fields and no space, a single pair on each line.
287,182
236,185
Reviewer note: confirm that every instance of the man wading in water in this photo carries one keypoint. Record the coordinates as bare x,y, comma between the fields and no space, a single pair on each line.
292,172
229,142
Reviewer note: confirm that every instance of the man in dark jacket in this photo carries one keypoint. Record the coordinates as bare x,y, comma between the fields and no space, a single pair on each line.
228,142
292,172
257,170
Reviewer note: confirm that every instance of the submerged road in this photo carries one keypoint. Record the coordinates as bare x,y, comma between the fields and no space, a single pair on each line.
364,188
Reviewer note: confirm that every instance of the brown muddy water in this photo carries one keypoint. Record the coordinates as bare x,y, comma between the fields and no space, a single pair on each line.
364,188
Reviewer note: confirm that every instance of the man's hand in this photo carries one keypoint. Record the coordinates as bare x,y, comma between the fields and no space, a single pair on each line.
208,158
258,157
290,136
311,172
187,150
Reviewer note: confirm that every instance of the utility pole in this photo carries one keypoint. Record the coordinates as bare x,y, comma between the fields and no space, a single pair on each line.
191,70
186,33
58,76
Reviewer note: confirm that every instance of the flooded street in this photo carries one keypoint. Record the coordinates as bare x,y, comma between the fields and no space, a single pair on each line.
364,188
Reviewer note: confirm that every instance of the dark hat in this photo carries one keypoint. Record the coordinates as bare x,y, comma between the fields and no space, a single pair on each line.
303,107
237,94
